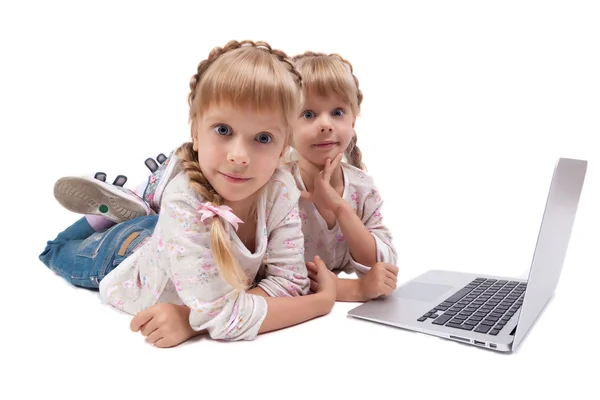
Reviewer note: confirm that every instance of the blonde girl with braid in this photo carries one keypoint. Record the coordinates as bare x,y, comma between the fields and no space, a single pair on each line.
225,255
340,205
340,208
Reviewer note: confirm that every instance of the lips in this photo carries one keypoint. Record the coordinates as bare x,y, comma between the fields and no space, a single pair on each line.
326,144
235,178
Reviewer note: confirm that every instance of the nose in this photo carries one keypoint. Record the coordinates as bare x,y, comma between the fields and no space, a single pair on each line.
238,153
325,125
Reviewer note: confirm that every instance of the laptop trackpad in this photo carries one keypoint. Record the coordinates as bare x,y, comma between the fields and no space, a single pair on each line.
421,291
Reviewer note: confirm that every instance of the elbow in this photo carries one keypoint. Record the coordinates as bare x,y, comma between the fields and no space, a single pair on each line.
297,285
239,319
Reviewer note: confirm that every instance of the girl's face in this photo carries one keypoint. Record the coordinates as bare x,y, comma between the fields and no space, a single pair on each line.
239,149
323,129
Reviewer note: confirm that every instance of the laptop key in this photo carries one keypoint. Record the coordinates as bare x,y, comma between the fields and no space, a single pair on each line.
458,295
464,327
441,320
482,329
422,319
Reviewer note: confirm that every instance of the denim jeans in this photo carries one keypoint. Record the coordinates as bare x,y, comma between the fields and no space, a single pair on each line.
84,257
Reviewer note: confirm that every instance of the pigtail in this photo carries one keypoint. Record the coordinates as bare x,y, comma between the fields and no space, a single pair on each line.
353,153
219,240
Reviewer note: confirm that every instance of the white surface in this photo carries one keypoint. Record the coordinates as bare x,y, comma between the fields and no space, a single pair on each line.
467,106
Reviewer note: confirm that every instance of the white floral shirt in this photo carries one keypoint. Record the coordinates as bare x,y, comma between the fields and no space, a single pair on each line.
329,244
176,265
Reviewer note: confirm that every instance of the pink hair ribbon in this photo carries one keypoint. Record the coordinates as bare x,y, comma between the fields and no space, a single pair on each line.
208,210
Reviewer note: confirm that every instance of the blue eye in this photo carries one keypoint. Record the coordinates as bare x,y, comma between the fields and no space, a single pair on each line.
338,112
264,138
308,114
222,129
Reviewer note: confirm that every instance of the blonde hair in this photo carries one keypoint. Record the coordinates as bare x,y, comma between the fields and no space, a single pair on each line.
241,74
330,74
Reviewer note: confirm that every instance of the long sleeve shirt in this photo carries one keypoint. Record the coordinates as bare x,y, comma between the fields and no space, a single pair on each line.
329,244
177,266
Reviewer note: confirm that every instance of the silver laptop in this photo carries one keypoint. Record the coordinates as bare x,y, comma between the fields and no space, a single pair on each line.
491,312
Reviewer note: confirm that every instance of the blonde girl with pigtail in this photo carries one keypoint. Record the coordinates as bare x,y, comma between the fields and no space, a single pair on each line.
225,254
340,205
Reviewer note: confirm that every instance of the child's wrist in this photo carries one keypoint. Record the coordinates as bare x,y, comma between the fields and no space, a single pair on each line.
325,302
361,290
350,290
342,210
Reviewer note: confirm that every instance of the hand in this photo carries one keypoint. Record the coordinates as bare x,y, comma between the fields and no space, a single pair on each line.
322,280
324,195
379,281
164,325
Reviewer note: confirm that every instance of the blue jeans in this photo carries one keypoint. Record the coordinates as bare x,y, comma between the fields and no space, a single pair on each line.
84,257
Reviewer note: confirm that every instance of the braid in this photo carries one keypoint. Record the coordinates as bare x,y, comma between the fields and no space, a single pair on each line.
289,64
232,45
219,240
203,66
353,153
189,164
359,94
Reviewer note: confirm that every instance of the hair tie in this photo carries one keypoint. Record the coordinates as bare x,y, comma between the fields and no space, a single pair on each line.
209,210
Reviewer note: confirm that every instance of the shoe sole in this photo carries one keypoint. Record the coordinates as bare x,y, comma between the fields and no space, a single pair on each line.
84,196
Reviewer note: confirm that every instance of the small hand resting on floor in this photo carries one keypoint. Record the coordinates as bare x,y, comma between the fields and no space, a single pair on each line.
167,325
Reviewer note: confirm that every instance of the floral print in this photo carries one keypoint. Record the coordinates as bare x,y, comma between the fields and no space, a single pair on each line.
177,265
330,244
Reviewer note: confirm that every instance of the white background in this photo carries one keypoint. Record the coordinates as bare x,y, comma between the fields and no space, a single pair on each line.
467,107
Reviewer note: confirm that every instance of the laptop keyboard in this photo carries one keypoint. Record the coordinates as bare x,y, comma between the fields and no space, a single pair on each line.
483,306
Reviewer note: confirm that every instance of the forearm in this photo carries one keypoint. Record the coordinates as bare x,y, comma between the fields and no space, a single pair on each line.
283,312
361,243
350,290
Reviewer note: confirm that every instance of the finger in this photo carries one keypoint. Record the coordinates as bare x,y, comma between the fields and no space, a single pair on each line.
392,268
141,319
391,276
337,161
314,286
164,343
327,170
304,195
154,336
149,327
319,263
312,275
311,266
390,283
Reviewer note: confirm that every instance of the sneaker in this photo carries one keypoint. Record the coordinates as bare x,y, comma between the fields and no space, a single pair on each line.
161,175
153,165
84,195
120,180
